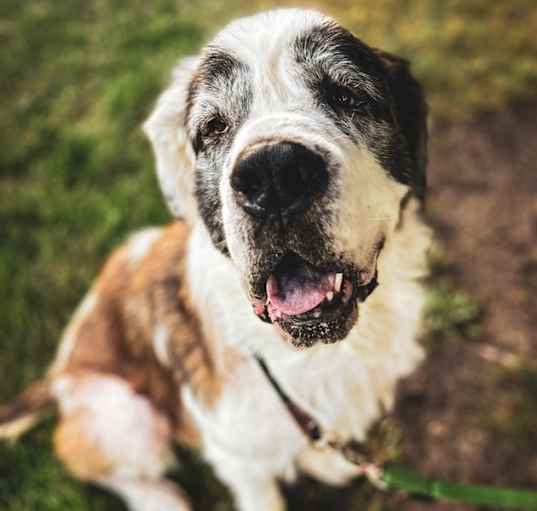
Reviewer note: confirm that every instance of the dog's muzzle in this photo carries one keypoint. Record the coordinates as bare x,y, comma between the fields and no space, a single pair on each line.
278,178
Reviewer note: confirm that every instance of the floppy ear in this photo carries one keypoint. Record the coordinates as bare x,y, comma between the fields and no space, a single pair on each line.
166,130
410,112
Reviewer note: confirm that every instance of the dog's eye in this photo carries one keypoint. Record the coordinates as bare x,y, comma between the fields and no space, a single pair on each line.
215,126
343,98
208,133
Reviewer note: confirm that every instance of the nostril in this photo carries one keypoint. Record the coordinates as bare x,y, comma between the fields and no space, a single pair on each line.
302,180
246,182
304,174
252,185
249,178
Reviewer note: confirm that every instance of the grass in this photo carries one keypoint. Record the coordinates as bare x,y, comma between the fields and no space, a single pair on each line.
449,312
76,80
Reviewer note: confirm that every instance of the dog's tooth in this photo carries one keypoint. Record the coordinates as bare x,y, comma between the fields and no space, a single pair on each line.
317,314
330,296
337,282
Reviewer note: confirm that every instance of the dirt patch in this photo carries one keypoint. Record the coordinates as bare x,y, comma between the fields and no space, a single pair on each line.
470,413
483,183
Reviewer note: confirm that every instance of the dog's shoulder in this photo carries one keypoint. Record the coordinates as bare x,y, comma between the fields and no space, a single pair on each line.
137,321
116,319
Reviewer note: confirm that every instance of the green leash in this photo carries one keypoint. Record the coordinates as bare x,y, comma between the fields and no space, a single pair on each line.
397,477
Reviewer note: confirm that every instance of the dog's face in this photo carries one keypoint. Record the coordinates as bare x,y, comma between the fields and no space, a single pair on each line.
297,145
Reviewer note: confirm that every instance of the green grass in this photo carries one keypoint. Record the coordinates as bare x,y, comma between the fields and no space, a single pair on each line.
75,171
75,177
77,78
30,479
449,312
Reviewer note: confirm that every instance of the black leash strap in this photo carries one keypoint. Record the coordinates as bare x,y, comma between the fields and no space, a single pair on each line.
307,424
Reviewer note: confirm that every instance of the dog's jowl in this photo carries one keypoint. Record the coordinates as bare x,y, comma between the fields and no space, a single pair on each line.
292,156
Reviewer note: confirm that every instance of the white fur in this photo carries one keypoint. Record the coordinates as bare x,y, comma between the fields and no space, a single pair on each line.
273,30
174,158
122,425
143,495
140,243
368,205
161,341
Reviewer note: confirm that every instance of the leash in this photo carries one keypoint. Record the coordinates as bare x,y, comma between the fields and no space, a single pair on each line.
396,477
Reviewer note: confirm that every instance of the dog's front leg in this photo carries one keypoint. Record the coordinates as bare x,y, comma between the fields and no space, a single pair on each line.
147,495
253,488
253,493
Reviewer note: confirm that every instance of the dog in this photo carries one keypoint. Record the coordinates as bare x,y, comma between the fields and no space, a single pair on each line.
293,159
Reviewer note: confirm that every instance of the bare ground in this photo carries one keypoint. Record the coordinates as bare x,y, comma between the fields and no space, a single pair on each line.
470,413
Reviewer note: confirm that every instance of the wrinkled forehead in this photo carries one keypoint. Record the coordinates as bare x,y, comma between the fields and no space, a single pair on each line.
268,35
276,55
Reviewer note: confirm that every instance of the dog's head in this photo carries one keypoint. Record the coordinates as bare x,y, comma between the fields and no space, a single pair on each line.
297,145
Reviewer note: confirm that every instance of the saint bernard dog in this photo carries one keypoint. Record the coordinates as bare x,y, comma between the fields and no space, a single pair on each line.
293,157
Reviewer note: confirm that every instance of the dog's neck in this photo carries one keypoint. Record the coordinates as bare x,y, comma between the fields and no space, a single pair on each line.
378,351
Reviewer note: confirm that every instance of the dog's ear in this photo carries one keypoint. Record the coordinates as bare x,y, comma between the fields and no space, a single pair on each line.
410,112
166,130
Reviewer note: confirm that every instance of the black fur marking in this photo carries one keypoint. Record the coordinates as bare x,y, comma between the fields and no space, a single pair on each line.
210,207
222,76
219,93
411,115
216,64
387,106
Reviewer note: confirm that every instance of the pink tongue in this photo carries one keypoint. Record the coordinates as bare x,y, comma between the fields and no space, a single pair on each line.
295,296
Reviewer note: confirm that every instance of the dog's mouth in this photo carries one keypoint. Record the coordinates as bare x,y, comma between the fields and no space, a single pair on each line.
312,304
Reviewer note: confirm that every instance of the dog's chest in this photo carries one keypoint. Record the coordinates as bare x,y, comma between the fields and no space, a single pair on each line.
250,420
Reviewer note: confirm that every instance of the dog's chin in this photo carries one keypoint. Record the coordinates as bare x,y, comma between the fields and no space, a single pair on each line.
304,332
308,304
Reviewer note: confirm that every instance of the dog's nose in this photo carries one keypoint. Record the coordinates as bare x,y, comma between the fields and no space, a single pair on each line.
284,177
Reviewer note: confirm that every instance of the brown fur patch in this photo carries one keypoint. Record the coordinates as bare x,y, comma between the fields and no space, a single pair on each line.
33,400
116,336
